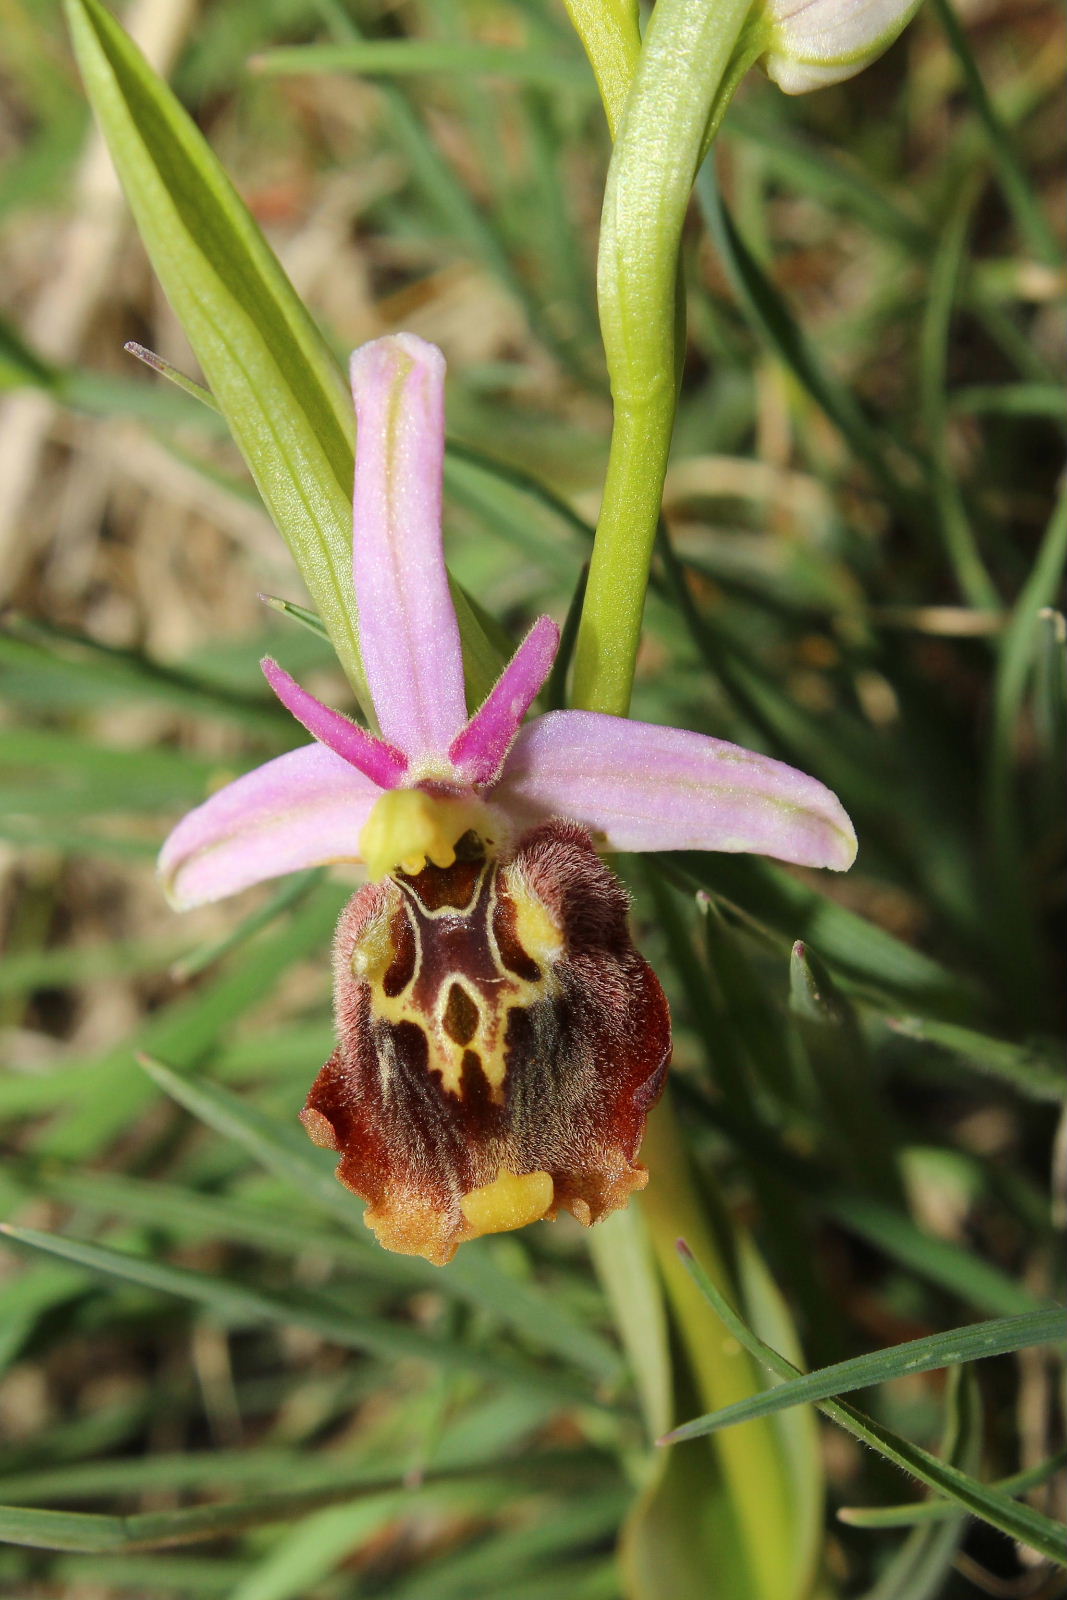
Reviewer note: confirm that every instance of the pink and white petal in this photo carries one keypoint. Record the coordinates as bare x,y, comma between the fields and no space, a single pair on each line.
383,763
409,637
303,809
478,752
636,786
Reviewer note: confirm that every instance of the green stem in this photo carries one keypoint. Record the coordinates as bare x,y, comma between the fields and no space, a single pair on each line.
692,60
688,59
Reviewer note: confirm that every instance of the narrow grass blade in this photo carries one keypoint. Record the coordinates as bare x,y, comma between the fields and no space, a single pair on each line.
773,319
1017,946
474,1277
234,1303
1027,1068
976,1282
68,669
973,1343
82,964
1039,592
920,1567
291,893
1011,400
26,1298
195,391
297,1562
450,58
955,523
155,1530
922,1511
21,367
283,1149
1031,220
862,955
555,691
182,1576
301,614
1030,1527
100,1097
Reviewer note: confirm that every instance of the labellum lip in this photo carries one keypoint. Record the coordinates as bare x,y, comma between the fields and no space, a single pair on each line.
500,1045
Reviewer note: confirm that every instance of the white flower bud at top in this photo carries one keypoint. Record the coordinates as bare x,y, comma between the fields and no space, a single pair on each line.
812,43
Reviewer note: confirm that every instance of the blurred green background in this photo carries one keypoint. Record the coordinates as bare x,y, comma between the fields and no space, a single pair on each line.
860,573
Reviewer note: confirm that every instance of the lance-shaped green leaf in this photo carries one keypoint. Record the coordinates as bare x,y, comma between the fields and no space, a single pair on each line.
237,1306
917,1512
154,1530
921,1565
466,58
974,1343
267,366
1019,1522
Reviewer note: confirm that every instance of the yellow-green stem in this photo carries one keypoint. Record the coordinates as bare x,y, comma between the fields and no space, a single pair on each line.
610,632
750,1454
662,119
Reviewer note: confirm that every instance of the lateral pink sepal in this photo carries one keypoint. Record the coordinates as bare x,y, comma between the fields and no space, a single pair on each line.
303,809
638,786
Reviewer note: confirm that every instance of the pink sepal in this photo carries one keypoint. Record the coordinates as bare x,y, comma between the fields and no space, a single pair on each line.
637,786
409,637
303,809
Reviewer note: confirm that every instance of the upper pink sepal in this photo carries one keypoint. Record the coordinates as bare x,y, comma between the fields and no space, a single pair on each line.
637,786
383,763
409,637
479,751
303,809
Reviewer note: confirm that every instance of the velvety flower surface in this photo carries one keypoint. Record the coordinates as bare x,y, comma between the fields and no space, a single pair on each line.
500,1040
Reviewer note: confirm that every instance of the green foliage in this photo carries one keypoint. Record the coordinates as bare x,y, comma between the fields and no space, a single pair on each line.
212,1381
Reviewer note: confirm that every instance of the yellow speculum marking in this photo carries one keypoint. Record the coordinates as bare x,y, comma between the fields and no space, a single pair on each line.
417,827
510,1201
535,929
373,950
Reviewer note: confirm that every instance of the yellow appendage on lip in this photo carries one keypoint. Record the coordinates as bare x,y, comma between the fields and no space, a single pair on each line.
508,1202
409,828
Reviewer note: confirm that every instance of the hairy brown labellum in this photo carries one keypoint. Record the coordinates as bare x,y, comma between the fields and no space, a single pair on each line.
500,1044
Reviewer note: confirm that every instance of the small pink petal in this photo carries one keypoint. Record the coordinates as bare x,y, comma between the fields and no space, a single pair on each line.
383,763
303,809
479,751
637,786
409,637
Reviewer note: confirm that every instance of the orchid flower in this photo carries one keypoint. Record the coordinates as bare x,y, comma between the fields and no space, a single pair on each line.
500,1039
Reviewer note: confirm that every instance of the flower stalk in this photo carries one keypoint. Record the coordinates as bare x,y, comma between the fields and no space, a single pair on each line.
661,134
663,124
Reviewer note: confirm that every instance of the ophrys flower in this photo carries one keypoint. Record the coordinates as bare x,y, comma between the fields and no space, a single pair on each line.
500,1039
